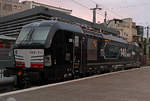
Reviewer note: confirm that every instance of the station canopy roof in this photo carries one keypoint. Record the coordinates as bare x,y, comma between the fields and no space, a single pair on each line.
12,24
3,37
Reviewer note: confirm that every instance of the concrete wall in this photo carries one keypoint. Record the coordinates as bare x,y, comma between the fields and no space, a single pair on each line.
126,27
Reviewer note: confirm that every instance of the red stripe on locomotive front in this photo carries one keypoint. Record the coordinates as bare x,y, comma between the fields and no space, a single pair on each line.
40,66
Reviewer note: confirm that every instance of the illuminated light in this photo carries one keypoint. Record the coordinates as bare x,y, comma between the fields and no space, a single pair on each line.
106,40
50,42
95,43
20,73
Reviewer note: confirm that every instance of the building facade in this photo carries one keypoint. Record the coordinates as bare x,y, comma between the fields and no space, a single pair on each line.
8,7
140,32
126,27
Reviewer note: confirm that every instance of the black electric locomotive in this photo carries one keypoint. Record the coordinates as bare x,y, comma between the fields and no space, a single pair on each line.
48,50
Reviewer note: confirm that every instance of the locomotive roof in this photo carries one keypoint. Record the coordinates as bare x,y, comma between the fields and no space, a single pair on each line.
57,25
3,37
71,27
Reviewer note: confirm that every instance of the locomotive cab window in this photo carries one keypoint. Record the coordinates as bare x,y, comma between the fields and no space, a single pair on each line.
33,35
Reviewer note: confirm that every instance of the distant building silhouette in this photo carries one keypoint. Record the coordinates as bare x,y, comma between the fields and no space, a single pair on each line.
8,7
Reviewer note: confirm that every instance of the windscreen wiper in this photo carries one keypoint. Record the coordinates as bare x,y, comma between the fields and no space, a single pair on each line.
28,37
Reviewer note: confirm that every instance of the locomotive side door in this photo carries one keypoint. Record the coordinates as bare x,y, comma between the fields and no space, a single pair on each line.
79,51
63,54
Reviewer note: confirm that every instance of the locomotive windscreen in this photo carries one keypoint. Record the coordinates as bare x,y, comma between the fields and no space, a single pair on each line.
33,35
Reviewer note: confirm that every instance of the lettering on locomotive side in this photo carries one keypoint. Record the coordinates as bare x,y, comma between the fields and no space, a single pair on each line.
35,52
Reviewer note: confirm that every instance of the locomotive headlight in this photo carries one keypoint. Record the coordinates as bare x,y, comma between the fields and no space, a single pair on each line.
47,60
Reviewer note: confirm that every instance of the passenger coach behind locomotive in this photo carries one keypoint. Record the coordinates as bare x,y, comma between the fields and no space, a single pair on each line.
54,50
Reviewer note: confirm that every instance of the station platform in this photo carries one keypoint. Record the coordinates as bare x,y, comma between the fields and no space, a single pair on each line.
128,85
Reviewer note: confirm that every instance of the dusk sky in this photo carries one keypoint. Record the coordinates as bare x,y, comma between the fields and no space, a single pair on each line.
136,9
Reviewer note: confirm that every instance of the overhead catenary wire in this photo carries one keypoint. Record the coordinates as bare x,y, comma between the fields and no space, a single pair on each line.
80,4
131,6
93,1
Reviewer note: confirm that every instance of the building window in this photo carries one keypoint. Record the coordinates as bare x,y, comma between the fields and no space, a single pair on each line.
7,7
19,7
33,6
15,7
